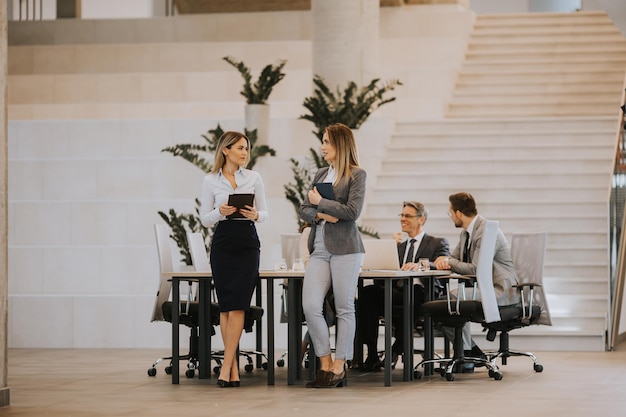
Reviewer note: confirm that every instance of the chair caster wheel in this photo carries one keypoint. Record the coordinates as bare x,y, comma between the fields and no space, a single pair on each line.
248,368
217,369
417,375
538,367
152,372
497,376
168,370
280,363
450,377
264,366
189,373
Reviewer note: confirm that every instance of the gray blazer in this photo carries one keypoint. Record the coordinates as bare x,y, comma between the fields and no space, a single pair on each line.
342,237
504,275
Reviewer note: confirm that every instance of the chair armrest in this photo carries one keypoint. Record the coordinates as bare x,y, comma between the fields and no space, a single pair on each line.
527,311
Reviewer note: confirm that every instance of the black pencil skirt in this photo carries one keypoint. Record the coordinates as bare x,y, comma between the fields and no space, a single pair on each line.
235,255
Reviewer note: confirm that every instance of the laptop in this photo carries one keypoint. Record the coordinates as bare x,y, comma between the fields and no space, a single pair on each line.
380,254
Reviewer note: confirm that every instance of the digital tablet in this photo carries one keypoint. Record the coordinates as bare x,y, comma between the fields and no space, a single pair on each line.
239,201
325,189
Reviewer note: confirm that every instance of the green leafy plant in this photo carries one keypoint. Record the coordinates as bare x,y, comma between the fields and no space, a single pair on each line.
352,106
200,155
180,224
259,92
197,154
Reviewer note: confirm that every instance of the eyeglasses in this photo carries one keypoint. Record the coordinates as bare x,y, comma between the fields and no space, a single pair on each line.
449,214
407,216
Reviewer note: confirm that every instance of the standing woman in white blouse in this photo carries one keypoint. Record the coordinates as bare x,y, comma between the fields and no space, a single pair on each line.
235,247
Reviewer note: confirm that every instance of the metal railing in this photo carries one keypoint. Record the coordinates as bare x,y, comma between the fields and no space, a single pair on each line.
617,239
28,9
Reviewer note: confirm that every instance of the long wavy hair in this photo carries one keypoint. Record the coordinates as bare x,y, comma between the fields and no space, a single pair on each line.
226,141
341,138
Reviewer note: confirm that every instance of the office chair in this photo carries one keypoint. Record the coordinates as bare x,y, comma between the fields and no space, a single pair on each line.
528,252
189,308
457,313
201,262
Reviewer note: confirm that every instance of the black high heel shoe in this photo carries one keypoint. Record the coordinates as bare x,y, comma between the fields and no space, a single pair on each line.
224,384
235,383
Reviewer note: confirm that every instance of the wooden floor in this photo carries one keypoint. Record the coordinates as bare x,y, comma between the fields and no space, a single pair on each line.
85,383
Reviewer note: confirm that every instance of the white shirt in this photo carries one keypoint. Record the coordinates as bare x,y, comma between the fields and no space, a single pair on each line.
216,189
470,230
418,239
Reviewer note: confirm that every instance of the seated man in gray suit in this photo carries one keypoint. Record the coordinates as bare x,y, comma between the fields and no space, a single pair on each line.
371,298
464,260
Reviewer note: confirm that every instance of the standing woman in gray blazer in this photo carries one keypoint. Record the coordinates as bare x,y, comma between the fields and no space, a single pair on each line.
336,253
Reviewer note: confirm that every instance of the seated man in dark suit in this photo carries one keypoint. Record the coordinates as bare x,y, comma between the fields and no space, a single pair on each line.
371,298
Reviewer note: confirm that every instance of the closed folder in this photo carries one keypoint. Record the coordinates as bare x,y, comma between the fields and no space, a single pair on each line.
325,189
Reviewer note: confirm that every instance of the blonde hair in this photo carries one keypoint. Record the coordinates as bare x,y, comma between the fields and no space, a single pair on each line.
341,138
227,140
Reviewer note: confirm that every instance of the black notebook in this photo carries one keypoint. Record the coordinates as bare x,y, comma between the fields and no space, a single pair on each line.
239,201
325,189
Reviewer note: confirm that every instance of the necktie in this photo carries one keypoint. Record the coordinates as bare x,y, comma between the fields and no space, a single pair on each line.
466,247
411,253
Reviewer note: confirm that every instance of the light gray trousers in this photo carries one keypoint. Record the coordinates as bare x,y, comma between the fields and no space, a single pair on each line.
341,272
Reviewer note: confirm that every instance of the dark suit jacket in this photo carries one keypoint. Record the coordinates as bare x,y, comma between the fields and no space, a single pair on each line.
430,247
342,237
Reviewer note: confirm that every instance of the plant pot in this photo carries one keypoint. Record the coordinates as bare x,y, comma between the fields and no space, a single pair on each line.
258,117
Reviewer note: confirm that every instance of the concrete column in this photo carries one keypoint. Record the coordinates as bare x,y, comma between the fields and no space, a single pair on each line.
4,271
346,40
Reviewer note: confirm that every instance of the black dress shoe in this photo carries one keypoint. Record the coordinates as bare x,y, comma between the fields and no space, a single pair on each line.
235,383
370,365
224,384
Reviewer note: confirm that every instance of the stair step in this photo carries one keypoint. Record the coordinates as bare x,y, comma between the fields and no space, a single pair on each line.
539,110
523,70
542,78
575,285
553,98
547,19
539,125
515,139
479,48
488,166
607,89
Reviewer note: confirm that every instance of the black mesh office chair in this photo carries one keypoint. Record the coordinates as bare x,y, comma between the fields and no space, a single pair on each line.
200,262
456,313
188,307
528,252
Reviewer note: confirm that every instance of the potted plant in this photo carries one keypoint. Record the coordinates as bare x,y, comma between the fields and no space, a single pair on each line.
257,113
352,107
198,155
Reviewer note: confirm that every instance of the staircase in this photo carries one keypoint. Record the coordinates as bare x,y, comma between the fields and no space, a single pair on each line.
530,131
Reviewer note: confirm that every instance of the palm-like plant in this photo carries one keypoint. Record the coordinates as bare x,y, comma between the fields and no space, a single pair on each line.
197,153
352,106
259,92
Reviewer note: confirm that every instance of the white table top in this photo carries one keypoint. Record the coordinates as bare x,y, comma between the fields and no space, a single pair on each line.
291,274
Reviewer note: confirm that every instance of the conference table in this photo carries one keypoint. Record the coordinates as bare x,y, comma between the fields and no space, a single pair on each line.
294,314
